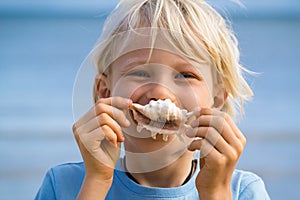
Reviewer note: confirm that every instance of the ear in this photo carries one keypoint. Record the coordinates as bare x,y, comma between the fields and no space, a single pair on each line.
220,97
101,86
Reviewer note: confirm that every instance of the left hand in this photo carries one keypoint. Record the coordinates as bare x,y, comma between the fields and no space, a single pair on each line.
220,143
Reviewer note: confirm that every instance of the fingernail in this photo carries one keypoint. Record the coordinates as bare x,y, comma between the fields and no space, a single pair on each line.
189,132
127,122
128,101
194,123
197,112
122,138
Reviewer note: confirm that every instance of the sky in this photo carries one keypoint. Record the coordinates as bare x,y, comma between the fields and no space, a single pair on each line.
90,7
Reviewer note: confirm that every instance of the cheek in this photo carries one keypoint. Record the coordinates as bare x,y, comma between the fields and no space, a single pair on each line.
196,96
204,99
124,88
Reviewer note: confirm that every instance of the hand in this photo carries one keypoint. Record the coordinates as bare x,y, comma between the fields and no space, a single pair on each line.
220,143
98,134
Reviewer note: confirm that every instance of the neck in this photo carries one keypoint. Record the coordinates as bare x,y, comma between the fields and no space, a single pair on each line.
173,175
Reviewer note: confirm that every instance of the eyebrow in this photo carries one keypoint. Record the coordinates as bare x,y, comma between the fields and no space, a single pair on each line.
131,62
141,59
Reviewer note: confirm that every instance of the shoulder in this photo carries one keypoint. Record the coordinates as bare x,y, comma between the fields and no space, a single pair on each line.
248,185
62,182
68,169
244,178
67,174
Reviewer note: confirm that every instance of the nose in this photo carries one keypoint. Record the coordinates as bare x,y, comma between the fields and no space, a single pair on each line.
157,91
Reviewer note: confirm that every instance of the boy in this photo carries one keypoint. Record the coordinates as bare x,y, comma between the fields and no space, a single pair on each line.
176,52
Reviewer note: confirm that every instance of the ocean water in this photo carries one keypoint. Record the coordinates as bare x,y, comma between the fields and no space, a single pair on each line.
39,59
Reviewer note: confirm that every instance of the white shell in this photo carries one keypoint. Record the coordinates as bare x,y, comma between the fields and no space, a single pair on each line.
162,111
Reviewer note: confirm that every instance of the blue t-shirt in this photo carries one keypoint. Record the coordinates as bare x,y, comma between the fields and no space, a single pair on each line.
64,182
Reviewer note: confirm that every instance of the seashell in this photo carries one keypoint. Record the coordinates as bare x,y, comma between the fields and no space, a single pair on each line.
160,112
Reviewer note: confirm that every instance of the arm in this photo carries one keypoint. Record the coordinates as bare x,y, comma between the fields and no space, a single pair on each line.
221,144
99,135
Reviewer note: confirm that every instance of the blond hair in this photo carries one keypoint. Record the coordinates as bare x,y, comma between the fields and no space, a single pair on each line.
199,23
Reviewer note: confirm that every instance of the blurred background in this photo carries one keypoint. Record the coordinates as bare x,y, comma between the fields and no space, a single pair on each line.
42,44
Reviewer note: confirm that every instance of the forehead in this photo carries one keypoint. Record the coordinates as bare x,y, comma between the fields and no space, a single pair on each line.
147,56
161,60
130,42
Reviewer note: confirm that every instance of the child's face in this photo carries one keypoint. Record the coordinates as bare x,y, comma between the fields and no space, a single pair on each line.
165,76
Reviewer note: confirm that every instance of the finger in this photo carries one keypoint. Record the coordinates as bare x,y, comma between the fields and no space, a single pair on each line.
99,108
115,108
212,136
92,140
99,121
217,119
209,117
207,152
111,136
231,138
229,127
118,102
101,144
225,116
205,147
209,122
109,153
236,130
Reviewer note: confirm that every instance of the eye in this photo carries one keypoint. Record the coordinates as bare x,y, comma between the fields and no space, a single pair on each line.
186,75
138,73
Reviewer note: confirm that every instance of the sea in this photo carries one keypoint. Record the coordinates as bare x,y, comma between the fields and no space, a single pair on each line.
39,61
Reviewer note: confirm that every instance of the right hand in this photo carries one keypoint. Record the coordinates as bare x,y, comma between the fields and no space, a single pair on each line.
99,135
